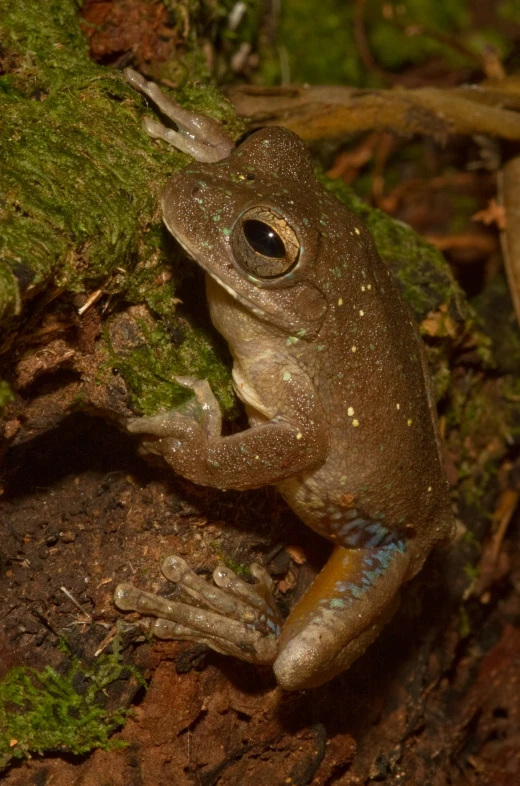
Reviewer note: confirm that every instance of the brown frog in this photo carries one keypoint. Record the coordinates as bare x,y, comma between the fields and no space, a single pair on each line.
331,370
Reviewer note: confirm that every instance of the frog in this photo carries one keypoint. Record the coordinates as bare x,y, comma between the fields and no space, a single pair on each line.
331,369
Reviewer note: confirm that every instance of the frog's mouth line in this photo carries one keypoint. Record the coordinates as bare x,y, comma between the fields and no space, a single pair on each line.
234,294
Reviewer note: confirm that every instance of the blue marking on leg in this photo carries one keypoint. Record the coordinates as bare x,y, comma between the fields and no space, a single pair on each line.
380,546
378,533
373,575
351,526
397,545
344,586
383,556
374,565
363,533
270,622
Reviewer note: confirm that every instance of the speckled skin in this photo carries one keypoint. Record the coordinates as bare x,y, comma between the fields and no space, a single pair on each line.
332,373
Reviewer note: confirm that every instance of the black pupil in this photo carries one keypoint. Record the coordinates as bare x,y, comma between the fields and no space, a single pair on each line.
263,239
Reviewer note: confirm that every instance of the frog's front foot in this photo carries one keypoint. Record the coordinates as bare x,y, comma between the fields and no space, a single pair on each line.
231,616
201,410
182,436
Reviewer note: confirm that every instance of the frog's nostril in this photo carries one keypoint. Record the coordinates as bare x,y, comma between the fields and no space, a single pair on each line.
195,190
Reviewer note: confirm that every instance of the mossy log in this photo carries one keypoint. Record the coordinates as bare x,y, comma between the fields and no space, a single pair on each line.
99,311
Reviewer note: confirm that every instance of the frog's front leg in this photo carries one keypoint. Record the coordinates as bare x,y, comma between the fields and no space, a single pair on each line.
189,439
232,617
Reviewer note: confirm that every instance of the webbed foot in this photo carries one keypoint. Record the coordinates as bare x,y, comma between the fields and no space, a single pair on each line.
230,616
197,135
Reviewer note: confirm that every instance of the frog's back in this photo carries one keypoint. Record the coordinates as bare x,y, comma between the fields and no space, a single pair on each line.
369,369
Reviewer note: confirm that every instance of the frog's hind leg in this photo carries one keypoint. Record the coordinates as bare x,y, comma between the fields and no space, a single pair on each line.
341,613
197,135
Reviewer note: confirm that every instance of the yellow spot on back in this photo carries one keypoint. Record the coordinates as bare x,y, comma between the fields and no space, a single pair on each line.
340,301
355,423
354,349
350,411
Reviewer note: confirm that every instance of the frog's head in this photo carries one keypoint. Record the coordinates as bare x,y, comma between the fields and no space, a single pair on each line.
261,225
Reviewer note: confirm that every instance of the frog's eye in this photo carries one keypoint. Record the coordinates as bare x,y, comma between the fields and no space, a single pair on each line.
264,244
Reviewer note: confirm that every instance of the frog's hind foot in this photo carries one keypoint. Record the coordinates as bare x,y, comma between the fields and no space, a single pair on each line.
197,135
231,616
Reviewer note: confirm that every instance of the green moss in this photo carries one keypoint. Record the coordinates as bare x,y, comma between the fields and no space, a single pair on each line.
10,301
510,389
469,539
317,40
203,25
464,623
302,31
45,711
240,570
472,571
78,175
80,179
432,22
422,272
483,421
81,183
6,394
149,370
495,310
461,209
509,10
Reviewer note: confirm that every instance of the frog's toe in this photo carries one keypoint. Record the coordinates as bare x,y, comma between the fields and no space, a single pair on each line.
157,130
191,382
232,618
250,604
222,635
258,595
126,597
